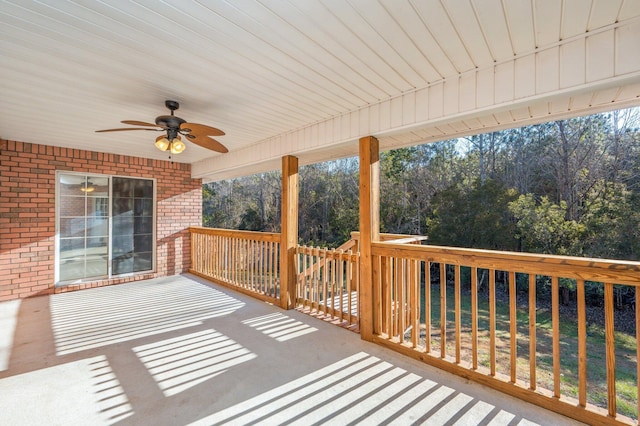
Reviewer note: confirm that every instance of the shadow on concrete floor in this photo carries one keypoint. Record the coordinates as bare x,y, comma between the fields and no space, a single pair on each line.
180,350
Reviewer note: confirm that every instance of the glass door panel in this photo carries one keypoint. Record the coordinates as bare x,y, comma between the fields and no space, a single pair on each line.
83,226
132,233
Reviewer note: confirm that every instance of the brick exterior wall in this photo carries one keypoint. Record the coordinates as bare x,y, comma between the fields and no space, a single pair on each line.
27,213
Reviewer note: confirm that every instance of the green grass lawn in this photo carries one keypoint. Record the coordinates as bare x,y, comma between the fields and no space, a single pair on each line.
626,358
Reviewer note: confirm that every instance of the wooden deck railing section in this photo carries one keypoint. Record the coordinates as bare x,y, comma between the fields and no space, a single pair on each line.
408,319
481,334
244,260
327,282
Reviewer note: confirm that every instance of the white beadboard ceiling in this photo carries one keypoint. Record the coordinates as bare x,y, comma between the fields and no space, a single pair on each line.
307,77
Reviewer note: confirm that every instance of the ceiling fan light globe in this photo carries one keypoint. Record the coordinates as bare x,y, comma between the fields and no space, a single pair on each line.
177,146
162,143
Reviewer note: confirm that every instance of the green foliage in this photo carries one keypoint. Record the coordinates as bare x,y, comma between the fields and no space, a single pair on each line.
612,221
542,228
473,217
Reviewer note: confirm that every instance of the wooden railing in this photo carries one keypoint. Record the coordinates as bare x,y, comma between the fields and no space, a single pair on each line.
474,313
244,260
327,283
481,334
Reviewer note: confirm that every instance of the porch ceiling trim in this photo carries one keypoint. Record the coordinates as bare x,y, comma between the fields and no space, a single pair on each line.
594,72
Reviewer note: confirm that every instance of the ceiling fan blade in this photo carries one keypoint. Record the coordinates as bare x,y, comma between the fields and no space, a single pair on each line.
207,142
138,123
201,129
126,128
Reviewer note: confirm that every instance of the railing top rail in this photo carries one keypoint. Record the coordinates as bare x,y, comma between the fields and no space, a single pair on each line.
407,240
355,235
588,269
347,245
233,233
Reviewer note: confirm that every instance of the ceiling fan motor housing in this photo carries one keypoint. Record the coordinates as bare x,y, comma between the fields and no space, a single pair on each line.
169,121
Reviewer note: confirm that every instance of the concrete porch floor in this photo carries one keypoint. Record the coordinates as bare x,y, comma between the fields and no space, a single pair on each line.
182,351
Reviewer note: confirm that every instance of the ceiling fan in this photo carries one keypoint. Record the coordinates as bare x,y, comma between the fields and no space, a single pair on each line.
174,127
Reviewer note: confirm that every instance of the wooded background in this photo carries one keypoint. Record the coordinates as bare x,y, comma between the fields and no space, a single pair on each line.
564,187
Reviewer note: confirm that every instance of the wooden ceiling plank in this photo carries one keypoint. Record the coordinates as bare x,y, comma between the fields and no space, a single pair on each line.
443,31
547,15
575,18
463,18
520,20
495,29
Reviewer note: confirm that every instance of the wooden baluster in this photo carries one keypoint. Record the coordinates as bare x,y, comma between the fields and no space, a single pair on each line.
206,253
443,310
235,259
609,328
414,301
492,321
457,319
513,325
474,317
532,331
400,296
266,250
218,256
260,277
341,269
316,279
252,264
264,262
297,266
275,272
309,277
348,281
427,306
211,255
386,288
582,345
555,320
233,244
392,297
332,287
260,268
325,277
195,255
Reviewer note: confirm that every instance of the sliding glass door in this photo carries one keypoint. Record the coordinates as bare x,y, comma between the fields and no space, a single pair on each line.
105,226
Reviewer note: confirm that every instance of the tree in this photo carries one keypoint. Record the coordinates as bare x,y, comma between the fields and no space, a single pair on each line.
541,226
612,222
477,217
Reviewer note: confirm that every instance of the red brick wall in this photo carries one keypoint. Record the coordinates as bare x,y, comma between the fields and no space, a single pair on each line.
27,213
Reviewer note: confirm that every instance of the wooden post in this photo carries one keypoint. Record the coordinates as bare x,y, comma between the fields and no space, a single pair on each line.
369,228
288,231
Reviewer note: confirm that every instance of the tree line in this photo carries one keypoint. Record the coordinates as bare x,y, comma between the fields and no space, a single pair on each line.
567,187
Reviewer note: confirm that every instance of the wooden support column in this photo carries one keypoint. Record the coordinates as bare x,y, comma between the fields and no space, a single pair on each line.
288,231
369,228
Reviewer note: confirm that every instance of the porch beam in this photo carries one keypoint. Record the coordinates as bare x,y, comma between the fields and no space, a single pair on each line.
288,231
369,228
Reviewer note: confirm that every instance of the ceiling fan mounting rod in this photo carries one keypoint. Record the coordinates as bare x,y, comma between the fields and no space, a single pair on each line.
172,105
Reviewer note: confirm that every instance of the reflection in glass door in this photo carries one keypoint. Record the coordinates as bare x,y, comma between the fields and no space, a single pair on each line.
83,226
132,243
